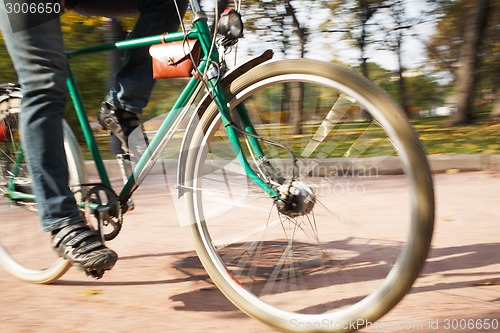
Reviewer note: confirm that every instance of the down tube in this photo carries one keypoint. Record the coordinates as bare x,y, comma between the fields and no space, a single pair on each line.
159,142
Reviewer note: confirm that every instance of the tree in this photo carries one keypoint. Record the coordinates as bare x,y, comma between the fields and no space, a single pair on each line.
467,76
424,91
358,24
448,51
297,90
284,27
382,25
396,30
490,61
282,23
394,41
444,47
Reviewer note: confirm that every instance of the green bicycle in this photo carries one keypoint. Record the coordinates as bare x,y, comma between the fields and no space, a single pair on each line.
305,214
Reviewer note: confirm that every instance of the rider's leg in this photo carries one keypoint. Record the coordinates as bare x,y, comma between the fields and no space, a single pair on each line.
40,63
134,81
36,49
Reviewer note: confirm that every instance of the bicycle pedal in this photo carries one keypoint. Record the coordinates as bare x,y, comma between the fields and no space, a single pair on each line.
103,216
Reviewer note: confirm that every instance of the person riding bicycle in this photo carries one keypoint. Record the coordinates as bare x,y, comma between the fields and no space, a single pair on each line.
34,42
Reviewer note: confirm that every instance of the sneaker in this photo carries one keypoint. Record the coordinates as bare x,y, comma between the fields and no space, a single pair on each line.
120,122
84,247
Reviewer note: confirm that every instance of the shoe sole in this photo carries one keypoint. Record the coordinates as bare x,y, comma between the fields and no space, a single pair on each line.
98,270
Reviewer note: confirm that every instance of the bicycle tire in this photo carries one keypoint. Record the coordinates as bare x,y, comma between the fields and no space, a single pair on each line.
284,279
25,250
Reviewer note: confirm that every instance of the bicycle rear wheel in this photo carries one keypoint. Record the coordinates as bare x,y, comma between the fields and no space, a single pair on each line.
25,250
336,259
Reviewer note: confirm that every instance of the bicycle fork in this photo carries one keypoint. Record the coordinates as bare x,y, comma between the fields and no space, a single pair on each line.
292,197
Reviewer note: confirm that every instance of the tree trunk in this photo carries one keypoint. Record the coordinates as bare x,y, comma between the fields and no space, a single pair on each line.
495,112
403,99
296,95
297,90
363,58
365,14
467,76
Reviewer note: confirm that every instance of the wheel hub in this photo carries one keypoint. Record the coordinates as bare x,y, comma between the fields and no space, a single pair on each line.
296,200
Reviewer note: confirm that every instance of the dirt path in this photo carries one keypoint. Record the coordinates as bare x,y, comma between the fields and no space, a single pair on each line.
157,284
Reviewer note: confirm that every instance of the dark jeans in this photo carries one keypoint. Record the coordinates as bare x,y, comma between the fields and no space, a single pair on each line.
38,56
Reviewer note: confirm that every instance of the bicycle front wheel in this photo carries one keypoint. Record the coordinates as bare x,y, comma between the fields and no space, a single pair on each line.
356,235
25,250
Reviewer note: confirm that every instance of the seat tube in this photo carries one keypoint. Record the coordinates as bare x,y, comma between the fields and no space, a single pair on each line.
85,125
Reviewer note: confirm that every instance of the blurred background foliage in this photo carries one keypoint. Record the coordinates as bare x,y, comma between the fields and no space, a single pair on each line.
459,69
445,53
92,71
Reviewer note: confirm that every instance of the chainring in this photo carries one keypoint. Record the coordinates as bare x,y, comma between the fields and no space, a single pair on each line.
103,203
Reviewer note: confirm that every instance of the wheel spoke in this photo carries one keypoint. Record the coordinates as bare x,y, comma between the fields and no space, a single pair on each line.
333,117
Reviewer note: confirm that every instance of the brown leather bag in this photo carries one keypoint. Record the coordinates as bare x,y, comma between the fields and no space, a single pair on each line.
173,59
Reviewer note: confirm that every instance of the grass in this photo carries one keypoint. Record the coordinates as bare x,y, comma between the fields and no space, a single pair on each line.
482,137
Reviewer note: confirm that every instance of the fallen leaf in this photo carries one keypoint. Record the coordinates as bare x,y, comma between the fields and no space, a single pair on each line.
89,292
494,282
433,277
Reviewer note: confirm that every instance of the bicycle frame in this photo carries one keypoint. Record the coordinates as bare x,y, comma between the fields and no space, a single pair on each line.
170,124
